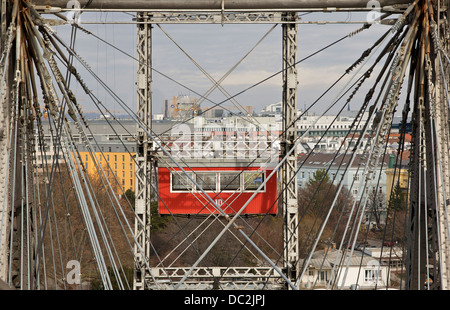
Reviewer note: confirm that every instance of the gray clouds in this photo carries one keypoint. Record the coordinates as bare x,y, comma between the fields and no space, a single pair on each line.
217,49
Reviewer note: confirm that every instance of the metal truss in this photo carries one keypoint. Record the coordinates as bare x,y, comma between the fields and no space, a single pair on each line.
144,168
230,18
226,17
144,156
440,114
16,157
215,18
222,12
289,168
436,165
222,5
228,278
428,250
4,144
4,101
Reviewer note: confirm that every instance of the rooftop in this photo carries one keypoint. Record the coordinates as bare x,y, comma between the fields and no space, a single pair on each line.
323,160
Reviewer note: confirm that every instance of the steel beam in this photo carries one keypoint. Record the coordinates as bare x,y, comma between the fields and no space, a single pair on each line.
3,23
280,5
440,80
144,158
289,168
208,278
5,99
427,263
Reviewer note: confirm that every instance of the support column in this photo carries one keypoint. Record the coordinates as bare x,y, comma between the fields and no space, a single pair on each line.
3,23
5,128
144,158
442,131
428,251
289,168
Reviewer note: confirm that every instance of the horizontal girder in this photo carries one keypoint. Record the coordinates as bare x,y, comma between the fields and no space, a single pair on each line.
222,4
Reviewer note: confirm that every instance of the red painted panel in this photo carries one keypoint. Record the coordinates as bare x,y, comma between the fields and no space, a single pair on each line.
176,202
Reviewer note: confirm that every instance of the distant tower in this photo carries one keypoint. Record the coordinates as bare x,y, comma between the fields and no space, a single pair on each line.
166,109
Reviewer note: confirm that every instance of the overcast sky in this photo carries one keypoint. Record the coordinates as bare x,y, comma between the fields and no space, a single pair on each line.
217,49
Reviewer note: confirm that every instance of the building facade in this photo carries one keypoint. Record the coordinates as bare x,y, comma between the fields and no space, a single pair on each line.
341,168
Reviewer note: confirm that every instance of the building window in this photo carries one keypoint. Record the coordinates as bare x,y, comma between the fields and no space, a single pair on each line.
322,276
372,275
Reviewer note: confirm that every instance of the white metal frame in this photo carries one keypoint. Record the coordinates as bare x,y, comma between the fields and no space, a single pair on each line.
218,187
145,146
144,149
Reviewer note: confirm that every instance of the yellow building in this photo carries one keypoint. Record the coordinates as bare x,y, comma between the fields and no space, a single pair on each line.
112,141
401,176
120,163
394,175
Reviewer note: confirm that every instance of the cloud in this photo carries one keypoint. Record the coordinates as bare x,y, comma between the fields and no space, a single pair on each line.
217,49
311,76
251,77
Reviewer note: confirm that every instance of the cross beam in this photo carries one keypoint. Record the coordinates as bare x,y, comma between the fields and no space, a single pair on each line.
280,5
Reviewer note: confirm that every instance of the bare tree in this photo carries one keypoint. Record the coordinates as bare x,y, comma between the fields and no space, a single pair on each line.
315,203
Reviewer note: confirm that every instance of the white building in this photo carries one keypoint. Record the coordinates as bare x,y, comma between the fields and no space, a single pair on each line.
271,109
334,270
330,125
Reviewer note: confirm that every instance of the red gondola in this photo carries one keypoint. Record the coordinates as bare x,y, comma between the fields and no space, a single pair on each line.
229,183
